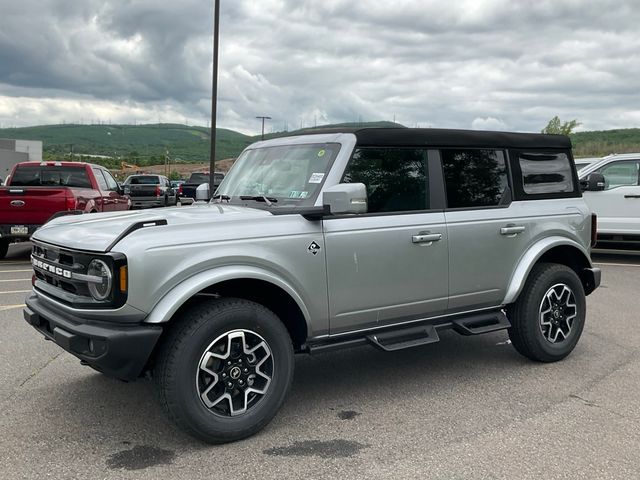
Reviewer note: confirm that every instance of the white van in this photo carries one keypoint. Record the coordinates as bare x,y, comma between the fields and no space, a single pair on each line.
612,191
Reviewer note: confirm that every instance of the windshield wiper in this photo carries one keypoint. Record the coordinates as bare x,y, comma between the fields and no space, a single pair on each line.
260,198
221,197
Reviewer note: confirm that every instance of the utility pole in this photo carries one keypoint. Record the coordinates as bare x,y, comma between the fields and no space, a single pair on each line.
263,119
214,94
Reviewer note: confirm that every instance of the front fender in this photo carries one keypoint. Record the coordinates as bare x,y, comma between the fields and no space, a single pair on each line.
529,259
177,296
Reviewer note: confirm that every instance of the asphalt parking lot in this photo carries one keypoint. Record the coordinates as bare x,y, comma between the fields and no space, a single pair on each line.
464,408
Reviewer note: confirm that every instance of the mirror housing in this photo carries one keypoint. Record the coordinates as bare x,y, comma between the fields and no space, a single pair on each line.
202,193
594,182
346,198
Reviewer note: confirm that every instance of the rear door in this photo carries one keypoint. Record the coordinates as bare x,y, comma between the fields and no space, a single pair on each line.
390,264
108,202
618,205
487,236
120,202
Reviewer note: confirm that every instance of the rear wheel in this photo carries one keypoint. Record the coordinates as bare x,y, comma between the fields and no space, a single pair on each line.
4,248
548,318
225,369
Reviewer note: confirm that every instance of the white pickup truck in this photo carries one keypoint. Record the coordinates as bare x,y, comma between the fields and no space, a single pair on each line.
611,188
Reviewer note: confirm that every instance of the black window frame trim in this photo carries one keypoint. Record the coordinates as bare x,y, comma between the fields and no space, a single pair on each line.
518,191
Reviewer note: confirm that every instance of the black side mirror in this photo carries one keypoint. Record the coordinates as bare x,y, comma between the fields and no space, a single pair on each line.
595,182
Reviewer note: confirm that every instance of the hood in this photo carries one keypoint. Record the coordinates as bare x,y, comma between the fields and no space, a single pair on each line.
98,232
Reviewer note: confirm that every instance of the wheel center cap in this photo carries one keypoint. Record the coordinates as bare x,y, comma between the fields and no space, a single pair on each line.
556,314
235,373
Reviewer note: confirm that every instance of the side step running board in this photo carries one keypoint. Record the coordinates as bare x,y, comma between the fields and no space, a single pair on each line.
477,324
392,339
404,338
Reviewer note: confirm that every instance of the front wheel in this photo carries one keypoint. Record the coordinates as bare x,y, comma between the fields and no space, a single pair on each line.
225,369
549,315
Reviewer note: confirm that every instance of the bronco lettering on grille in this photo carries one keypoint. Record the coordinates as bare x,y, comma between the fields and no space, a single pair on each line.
50,268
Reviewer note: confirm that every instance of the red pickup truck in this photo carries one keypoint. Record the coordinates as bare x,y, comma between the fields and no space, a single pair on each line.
37,191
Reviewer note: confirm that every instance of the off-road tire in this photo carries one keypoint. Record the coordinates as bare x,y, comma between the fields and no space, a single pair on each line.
182,350
526,333
4,248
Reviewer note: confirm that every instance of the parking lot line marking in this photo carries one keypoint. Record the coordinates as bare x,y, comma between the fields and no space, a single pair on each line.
16,280
617,264
15,291
14,263
16,271
11,307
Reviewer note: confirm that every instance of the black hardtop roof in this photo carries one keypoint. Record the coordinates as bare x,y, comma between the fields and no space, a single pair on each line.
440,137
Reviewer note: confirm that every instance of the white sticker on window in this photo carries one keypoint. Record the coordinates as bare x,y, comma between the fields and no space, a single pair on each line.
316,178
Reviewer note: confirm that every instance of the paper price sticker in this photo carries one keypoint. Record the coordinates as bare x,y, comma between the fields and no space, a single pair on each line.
316,178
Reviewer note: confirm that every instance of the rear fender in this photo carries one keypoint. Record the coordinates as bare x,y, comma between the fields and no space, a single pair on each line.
529,259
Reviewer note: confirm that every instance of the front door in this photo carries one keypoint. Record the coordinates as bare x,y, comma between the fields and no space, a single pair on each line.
390,264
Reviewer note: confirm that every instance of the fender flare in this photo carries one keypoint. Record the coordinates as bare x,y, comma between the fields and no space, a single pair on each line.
178,295
529,259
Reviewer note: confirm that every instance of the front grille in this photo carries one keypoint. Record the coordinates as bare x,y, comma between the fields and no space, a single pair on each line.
57,284
61,273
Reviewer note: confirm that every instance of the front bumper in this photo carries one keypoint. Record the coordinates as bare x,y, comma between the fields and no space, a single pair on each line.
117,350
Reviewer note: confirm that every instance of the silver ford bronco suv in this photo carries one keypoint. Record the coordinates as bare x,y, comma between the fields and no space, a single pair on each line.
332,239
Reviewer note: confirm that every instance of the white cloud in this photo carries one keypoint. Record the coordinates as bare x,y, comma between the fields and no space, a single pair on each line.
488,123
494,64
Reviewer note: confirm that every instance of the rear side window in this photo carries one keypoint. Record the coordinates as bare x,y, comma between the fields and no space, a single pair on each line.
396,178
546,174
50,176
475,178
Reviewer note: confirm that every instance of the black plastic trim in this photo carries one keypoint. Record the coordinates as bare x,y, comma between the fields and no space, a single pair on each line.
414,333
136,226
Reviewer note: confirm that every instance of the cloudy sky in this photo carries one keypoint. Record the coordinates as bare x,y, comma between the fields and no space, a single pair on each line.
483,64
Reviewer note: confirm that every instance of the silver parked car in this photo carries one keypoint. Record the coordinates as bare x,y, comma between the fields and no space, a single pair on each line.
322,241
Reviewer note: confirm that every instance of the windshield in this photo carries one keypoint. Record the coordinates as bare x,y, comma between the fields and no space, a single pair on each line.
290,174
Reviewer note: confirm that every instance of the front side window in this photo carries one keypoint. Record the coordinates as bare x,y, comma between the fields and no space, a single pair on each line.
286,175
546,173
111,182
474,177
619,174
396,178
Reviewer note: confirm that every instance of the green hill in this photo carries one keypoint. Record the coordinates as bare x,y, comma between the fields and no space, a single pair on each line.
601,143
144,144
148,144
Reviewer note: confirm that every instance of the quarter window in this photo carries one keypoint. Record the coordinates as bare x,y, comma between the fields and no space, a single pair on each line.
474,177
620,174
396,178
546,173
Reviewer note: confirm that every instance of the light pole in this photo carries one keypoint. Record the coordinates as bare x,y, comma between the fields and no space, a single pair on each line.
214,93
263,119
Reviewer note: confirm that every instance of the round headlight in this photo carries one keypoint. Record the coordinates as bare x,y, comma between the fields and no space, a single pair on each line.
101,290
